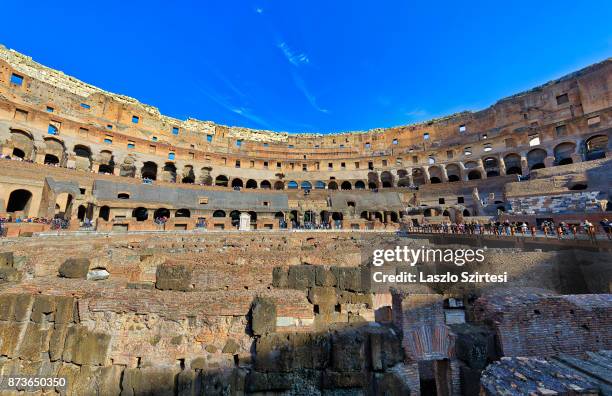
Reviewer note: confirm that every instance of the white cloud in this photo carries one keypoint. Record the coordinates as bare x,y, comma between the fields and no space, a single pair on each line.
301,85
259,10
295,58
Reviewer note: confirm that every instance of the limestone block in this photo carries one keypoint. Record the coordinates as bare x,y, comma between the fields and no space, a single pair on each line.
324,297
172,276
7,306
348,278
263,316
33,343
148,381
301,277
188,383
74,268
385,349
57,340
391,384
474,345
335,380
324,277
43,306
231,346
8,274
86,347
10,336
268,382
64,309
279,277
346,297
98,274
23,307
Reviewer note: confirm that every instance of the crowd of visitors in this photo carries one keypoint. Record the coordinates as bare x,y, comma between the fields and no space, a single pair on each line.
560,230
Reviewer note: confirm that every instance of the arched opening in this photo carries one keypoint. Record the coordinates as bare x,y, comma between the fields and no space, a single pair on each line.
435,175
218,213
474,175
535,159
446,213
83,157
595,147
378,216
188,175
513,164
501,208
337,216
332,185
563,153
453,172
51,159
169,172
18,153
123,196
393,217
346,185
359,185
418,177
221,181
140,214
183,213
372,186
428,212
105,169
294,217
491,166
19,201
364,215
292,185
251,184
265,185
386,179
253,217
306,185
279,185
435,180
320,185
235,218
466,213
149,170
237,183
105,213
279,215
81,211
160,213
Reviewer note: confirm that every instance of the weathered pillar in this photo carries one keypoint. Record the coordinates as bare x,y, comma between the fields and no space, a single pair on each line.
245,221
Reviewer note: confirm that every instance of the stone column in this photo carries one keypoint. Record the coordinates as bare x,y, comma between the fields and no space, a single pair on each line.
444,173
245,221
463,173
524,165
481,168
501,165
549,161
426,174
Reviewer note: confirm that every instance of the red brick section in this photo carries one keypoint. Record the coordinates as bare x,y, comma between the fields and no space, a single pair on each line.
540,324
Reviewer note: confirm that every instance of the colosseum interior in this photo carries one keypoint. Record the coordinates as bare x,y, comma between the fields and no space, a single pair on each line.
147,255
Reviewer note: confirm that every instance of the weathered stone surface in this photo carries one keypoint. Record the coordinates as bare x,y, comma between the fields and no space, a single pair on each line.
324,277
231,346
268,382
6,259
301,277
86,347
475,345
172,276
263,316
348,351
74,268
9,275
98,274
348,278
324,298
279,277
148,381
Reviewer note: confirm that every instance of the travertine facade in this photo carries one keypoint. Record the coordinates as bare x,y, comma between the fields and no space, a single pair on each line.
463,165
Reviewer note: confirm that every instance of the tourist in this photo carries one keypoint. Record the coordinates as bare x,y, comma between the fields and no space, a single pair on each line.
606,225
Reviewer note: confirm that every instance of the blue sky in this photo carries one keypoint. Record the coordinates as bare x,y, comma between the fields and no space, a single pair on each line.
312,66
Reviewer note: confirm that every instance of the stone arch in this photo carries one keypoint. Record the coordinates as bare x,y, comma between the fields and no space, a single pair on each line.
418,176
251,184
161,212
205,176
265,185
466,213
149,170
169,172
221,181
237,183
535,158
563,153
386,178
373,181
332,185
55,147
105,213
51,159
595,147
306,185
81,212
320,185
218,213
474,174
491,166
63,205
292,185
183,213
512,162
188,176
346,185
23,143
140,214
279,185
453,172
435,175
360,185
19,201
82,158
